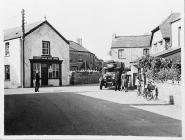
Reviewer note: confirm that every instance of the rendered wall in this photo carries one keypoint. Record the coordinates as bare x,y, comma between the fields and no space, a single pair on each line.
130,54
157,37
14,60
58,48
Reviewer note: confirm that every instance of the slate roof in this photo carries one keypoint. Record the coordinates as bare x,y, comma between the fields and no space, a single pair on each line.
16,32
77,47
167,52
131,41
165,26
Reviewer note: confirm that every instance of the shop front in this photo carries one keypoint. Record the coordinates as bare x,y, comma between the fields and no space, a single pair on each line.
49,70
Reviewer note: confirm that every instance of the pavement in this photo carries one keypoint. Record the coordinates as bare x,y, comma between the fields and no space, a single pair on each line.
159,106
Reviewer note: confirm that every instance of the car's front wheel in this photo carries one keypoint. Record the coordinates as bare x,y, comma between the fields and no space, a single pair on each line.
101,85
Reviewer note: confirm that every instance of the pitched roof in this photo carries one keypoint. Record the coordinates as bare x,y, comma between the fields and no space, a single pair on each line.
77,47
168,52
165,26
131,41
16,32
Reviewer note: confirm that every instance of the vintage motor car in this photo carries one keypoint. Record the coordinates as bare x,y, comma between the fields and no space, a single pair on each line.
107,78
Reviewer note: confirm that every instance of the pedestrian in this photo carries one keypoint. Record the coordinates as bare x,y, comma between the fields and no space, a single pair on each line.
122,81
126,82
117,81
138,84
37,81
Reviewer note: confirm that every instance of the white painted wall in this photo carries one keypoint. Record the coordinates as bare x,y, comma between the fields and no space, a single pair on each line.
131,54
14,60
156,38
175,27
58,48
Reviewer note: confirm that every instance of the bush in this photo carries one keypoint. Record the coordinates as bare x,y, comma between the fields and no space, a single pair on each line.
160,69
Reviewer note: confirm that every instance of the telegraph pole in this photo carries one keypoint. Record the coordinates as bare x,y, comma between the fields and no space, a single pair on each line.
23,35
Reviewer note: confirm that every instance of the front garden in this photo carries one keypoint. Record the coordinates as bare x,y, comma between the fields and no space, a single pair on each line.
160,69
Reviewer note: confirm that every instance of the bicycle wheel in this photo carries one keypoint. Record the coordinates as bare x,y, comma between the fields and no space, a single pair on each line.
149,96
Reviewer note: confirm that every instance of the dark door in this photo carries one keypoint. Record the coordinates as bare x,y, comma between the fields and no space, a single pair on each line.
44,74
134,80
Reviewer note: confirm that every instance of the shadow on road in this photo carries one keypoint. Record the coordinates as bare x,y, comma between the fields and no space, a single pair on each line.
68,113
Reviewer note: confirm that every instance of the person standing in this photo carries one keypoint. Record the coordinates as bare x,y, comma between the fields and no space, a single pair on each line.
37,81
122,81
126,83
138,84
118,81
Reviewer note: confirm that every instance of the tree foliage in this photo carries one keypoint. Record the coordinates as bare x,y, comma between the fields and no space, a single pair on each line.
162,69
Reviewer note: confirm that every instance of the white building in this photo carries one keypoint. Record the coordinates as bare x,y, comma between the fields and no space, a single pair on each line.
45,49
177,33
167,37
127,49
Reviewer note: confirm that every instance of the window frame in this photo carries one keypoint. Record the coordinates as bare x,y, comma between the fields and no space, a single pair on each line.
7,54
179,36
121,56
5,76
46,49
80,57
145,51
55,68
161,42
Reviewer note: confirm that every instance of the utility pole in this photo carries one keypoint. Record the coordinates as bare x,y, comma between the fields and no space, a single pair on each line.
23,35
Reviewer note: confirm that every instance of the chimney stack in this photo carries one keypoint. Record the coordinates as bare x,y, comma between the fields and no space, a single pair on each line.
113,35
79,41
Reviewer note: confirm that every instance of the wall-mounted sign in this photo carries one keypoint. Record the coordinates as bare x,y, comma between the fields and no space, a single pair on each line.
45,57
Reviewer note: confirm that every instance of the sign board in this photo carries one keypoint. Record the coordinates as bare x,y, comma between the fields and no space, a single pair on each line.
45,57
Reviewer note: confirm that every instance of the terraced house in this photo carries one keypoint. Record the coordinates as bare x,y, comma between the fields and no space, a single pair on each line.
166,39
127,49
45,50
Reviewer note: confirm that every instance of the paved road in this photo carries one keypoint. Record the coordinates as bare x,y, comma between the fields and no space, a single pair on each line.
68,113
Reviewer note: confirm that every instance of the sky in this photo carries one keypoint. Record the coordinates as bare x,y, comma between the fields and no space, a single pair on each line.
93,20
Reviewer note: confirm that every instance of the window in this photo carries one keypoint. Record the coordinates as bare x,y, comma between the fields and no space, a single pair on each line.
145,51
7,72
50,71
121,53
80,57
161,42
36,66
45,47
179,36
74,68
53,71
7,52
155,47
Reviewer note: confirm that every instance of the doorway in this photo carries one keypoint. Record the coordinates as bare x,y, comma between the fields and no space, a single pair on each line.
134,80
44,74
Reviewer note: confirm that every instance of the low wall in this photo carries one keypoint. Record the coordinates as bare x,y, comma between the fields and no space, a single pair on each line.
84,77
168,89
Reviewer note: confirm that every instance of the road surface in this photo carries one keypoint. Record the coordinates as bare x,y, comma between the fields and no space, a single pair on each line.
68,113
